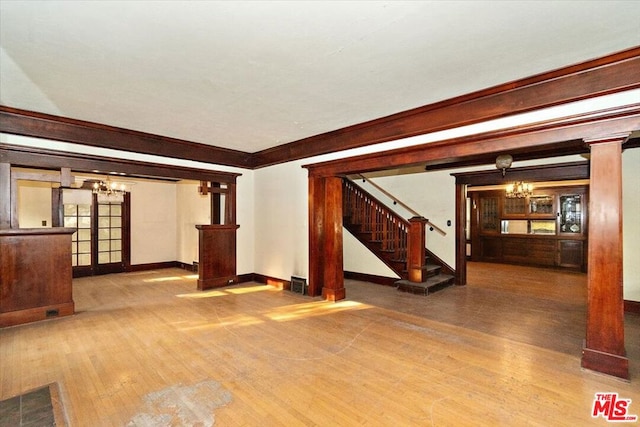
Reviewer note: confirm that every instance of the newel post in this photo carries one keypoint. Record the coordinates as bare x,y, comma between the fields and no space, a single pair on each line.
416,249
604,344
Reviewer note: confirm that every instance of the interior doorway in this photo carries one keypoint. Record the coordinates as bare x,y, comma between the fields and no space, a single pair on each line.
101,243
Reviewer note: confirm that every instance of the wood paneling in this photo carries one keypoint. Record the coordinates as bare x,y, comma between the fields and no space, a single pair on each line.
35,274
217,255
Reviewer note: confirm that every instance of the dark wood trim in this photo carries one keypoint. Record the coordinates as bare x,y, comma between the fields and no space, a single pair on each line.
316,234
606,75
39,125
542,136
371,278
610,74
461,242
553,172
245,278
52,159
157,266
271,281
5,194
632,306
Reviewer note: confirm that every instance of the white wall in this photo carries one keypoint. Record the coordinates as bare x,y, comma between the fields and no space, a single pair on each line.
153,222
631,223
281,221
192,209
34,204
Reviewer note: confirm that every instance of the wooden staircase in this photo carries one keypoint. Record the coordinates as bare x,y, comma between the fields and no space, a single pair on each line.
387,235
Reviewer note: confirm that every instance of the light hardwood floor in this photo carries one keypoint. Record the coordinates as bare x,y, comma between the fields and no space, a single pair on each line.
147,349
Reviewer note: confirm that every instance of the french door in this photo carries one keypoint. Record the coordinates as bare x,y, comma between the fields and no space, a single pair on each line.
101,244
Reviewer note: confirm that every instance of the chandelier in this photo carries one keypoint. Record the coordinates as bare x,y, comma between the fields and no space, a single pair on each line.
109,191
519,189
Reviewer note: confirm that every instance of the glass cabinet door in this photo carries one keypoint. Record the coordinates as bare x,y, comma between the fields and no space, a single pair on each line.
571,213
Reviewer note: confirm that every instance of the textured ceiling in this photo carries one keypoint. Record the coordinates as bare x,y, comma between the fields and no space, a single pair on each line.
253,75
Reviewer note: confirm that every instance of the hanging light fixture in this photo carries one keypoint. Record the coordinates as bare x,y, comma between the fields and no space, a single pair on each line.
109,191
519,189
504,162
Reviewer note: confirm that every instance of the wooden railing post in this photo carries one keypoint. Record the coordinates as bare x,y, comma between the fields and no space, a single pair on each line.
416,250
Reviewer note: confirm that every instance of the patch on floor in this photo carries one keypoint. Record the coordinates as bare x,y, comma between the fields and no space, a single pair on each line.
41,407
182,405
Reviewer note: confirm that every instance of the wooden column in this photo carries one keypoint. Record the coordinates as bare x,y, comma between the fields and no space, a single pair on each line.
5,195
332,259
416,251
215,197
230,204
461,236
325,238
604,345
316,235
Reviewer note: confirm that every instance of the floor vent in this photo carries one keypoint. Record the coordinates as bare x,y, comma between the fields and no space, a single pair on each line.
299,285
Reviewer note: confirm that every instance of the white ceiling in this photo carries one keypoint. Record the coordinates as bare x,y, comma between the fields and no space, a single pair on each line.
252,75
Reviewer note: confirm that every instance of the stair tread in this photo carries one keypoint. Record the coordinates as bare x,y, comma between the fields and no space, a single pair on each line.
430,282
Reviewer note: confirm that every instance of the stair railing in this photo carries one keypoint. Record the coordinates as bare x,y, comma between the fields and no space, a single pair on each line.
398,201
386,227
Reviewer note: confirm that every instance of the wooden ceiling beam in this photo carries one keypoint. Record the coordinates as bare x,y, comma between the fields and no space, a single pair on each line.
38,125
548,136
50,159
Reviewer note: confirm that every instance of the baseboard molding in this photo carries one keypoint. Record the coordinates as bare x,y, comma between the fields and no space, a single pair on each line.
632,306
154,266
380,280
272,281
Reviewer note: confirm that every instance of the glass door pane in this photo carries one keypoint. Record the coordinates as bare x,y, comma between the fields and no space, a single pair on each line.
79,217
571,213
109,233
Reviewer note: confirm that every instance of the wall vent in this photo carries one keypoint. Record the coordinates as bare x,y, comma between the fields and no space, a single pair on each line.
299,285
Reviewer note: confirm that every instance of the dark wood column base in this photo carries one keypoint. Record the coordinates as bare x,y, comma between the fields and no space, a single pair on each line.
333,294
606,363
35,314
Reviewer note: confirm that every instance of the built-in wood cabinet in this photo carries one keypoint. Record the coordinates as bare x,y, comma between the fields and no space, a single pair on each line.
35,274
547,228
